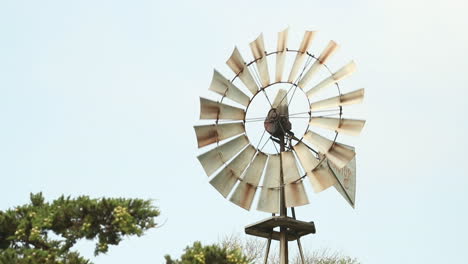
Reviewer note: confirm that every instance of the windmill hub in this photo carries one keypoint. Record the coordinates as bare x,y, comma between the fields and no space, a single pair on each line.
277,124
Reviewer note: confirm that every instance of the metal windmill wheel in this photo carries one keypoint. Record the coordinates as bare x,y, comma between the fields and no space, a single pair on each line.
237,163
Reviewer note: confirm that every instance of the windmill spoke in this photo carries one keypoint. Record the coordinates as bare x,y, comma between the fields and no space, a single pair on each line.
268,99
255,118
261,149
335,114
274,145
328,110
251,121
261,138
299,77
259,83
298,113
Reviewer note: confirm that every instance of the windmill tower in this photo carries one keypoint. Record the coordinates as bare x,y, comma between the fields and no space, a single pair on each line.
237,161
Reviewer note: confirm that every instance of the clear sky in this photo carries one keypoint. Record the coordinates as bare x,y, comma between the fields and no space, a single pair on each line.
99,98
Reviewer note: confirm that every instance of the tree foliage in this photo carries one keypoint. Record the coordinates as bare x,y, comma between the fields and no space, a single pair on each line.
212,254
42,232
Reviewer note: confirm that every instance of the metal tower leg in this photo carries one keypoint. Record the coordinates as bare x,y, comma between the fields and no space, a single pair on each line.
284,259
267,251
300,250
293,211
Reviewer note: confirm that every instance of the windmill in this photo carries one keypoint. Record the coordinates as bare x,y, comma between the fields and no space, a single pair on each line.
237,164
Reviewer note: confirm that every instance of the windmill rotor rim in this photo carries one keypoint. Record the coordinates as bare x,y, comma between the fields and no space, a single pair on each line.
256,80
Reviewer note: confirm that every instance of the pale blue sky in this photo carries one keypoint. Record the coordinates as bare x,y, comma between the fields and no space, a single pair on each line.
99,98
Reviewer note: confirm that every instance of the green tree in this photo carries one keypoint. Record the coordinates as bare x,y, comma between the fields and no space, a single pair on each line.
42,232
212,254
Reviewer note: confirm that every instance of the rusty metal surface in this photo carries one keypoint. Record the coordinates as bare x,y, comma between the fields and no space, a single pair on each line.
347,179
281,55
215,110
239,67
342,125
319,175
334,151
215,158
258,51
221,85
306,41
225,180
331,48
342,73
295,194
326,54
270,193
355,97
244,193
301,55
209,134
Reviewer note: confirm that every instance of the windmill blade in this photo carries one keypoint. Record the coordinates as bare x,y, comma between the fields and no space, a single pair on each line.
301,55
334,151
239,67
225,180
331,48
351,127
320,176
254,172
245,191
346,177
294,191
281,54
295,194
290,170
215,158
221,85
342,73
209,134
215,110
269,200
272,173
280,100
270,193
243,195
258,51
355,97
